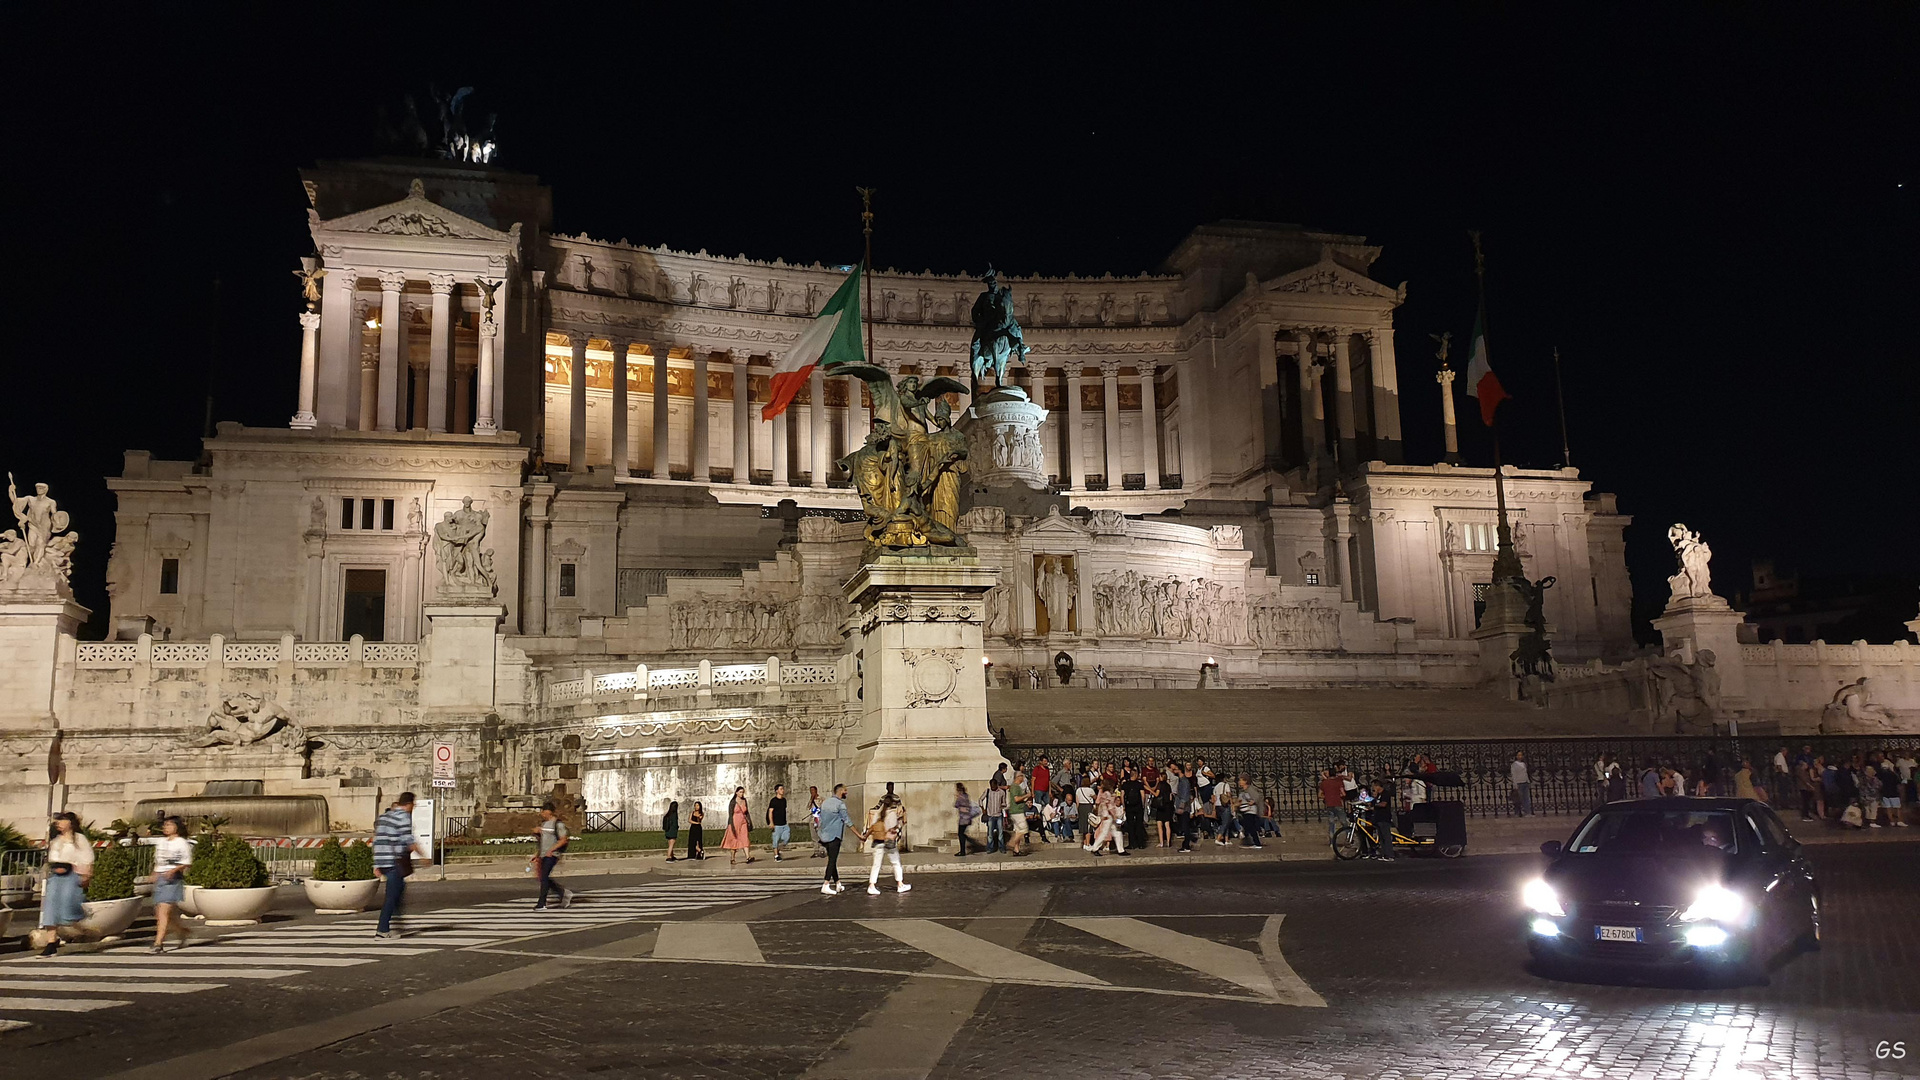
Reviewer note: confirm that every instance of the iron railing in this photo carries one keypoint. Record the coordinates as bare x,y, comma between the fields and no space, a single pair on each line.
1560,772
606,821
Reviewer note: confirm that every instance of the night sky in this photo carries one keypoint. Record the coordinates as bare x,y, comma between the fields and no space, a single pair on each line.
1709,210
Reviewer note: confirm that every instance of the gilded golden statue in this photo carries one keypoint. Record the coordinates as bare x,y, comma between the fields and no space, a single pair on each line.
908,471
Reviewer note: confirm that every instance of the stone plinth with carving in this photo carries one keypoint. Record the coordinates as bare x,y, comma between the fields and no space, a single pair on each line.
923,727
1003,440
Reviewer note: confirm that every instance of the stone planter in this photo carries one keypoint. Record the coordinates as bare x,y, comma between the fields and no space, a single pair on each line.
110,918
234,907
6,922
341,897
189,905
16,888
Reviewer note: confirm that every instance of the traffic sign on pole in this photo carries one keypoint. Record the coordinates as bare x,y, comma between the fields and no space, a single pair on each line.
442,764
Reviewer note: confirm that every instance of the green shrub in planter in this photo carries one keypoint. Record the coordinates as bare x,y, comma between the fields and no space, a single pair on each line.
330,862
12,839
112,874
230,864
359,862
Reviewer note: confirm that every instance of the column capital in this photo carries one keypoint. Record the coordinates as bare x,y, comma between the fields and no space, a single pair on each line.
344,276
619,344
362,307
1445,376
576,339
1147,366
392,280
441,284
489,326
310,321
1377,334
740,357
1109,369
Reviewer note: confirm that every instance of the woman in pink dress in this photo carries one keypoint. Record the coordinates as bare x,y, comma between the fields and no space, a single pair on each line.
739,826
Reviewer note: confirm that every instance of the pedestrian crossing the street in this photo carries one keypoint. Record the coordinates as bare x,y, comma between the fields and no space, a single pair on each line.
82,981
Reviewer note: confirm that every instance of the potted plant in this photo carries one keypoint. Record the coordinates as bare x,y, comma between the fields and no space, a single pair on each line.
233,886
15,887
111,903
342,881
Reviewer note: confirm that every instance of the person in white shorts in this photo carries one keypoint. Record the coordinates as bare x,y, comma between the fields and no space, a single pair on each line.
889,820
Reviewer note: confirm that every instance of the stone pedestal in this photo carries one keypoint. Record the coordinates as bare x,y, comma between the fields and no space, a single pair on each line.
1502,625
1003,440
1708,624
36,639
459,655
924,694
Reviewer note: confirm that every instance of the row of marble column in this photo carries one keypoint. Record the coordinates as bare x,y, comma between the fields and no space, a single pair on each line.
329,358
627,352
1310,371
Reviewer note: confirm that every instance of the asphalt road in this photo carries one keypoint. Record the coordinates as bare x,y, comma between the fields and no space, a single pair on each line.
1272,970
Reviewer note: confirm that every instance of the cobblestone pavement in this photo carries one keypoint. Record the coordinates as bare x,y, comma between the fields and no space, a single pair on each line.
1323,970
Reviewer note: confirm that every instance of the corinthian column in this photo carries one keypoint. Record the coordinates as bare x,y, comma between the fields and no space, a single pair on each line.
577,404
1445,378
1149,425
742,419
781,476
1110,406
662,444
702,467
1076,463
1386,394
309,332
336,364
439,349
622,352
1343,397
817,426
483,423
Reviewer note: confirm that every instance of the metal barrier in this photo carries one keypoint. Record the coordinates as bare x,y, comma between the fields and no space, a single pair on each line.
1559,771
607,821
287,861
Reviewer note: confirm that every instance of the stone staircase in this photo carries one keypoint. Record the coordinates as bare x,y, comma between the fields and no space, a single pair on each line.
1074,716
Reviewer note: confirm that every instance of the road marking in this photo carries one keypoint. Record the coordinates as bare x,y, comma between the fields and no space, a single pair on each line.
79,987
1292,989
382,947
37,1004
1237,966
723,941
173,959
48,971
970,953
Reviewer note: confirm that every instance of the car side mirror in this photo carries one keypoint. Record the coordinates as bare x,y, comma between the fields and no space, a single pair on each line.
1550,848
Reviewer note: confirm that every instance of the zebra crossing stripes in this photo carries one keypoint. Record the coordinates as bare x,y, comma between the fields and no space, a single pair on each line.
84,982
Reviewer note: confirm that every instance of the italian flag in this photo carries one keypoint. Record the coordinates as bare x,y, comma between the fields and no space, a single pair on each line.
1482,383
833,339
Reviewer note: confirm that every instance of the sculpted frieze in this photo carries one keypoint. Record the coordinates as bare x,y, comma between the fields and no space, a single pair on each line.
758,624
1130,604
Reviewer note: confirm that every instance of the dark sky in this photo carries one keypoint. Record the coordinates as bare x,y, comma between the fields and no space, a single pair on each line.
1710,210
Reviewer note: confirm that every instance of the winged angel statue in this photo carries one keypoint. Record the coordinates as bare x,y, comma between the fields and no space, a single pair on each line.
908,471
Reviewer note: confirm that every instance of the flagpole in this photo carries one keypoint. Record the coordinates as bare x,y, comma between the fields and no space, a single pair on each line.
1506,560
866,287
1560,397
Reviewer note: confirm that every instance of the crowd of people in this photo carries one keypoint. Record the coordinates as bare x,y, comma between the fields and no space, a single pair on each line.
1864,789
1110,807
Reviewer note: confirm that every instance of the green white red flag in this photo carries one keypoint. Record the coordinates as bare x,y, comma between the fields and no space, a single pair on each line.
832,339
1482,383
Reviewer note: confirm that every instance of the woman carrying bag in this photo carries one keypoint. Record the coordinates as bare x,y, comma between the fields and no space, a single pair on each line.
69,868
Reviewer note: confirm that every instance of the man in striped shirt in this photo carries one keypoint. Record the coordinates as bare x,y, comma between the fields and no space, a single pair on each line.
394,846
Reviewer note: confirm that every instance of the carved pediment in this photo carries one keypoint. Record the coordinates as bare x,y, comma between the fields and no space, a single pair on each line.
1329,278
415,215
1057,525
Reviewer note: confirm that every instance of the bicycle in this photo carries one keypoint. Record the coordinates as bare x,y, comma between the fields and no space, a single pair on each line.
1347,842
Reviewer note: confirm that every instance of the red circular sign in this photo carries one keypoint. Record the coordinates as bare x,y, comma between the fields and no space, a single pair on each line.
443,753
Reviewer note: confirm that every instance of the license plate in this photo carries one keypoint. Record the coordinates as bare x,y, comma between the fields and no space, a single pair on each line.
1616,933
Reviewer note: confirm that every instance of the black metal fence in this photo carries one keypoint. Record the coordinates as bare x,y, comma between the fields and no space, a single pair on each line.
606,821
1560,771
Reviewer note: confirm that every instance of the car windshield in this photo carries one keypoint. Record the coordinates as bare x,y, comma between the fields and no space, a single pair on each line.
1656,832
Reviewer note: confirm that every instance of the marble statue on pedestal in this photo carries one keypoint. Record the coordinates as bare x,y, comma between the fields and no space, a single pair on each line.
38,555
464,567
1693,582
1687,695
997,340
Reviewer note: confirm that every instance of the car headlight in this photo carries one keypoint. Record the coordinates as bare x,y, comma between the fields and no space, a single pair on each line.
1540,897
1716,903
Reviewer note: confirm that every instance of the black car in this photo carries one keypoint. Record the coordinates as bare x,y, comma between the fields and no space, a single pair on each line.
1671,882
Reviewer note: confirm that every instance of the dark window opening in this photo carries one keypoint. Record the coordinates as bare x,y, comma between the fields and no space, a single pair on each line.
366,513
386,514
567,578
364,605
169,576
346,513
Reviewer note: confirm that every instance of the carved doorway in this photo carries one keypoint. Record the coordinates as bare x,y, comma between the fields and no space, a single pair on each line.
363,608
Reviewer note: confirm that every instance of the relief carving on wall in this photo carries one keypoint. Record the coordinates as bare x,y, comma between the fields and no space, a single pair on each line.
247,720
1129,604
754,623
933,675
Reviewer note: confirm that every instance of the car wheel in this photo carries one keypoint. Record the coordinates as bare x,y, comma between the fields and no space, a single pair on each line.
1346,844
1810,936
1453,851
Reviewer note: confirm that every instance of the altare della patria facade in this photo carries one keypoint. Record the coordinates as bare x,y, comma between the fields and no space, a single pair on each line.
527,504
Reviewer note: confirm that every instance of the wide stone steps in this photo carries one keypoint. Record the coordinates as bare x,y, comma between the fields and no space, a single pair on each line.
1080,716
